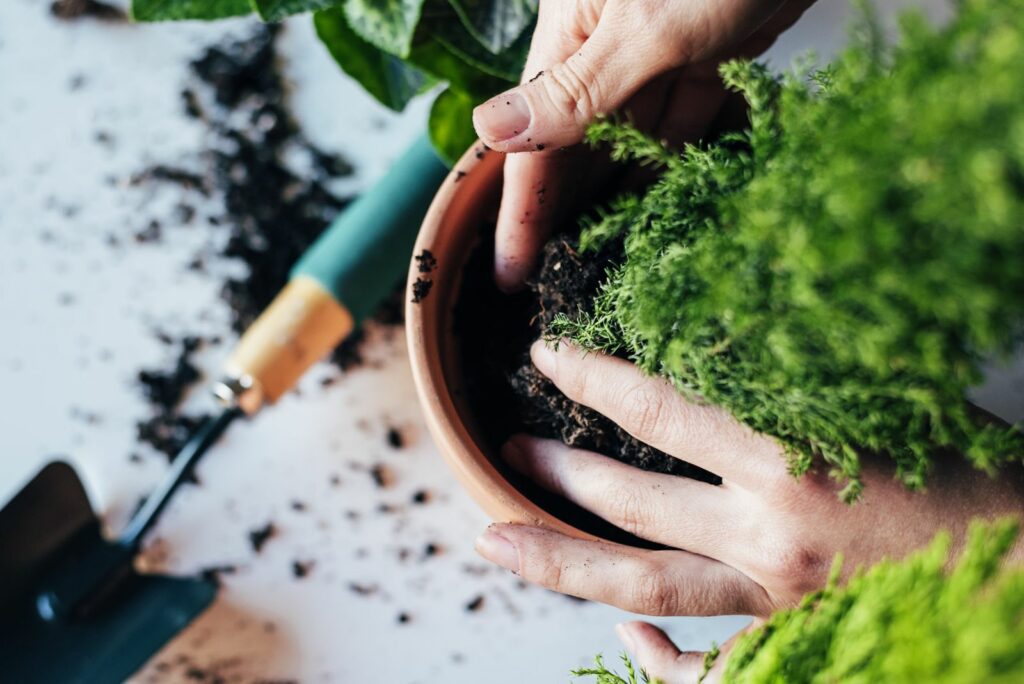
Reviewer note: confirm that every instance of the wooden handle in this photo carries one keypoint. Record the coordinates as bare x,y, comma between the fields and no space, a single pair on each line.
301,325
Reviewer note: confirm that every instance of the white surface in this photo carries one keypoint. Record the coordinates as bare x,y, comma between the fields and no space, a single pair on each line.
78,318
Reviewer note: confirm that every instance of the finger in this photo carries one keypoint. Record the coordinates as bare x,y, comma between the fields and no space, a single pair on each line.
654,412
554,106
641,581
667,509
539,189
656,655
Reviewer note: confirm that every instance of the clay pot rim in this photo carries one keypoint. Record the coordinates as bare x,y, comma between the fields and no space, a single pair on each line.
476,173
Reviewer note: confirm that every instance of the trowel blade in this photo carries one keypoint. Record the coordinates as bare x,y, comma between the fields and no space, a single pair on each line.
41,528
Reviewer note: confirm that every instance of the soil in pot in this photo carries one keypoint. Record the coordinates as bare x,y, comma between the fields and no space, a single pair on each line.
509,395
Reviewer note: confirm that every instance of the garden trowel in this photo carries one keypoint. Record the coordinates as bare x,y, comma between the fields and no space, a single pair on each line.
73,606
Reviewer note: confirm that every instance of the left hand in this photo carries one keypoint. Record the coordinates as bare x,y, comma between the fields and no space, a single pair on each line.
756,543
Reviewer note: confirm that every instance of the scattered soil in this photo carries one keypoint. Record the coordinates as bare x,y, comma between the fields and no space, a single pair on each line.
167,429
395,438
420,289
382,475
301,569
260,536
363,589
475,604
273,209
510,395
166,388
421,496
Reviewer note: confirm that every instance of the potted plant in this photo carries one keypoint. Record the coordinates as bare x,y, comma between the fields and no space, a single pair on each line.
834,276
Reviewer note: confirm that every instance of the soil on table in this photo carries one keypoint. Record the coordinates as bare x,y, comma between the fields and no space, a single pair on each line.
509,395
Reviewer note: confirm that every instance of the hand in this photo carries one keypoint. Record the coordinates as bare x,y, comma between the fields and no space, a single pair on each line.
655,60
754,544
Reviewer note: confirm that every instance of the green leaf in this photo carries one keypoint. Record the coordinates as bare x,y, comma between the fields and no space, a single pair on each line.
389,79
443,24
387,24
442,64
275,10
496,24
451,124
166,10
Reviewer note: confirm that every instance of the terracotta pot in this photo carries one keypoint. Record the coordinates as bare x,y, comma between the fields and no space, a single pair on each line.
468,197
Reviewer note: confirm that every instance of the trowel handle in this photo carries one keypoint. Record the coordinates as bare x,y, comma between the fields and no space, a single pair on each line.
338,282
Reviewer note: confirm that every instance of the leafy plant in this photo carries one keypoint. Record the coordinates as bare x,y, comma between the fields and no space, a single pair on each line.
603,675
908,621
835,274
397,49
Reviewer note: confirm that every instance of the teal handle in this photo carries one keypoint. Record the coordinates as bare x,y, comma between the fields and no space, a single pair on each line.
365,252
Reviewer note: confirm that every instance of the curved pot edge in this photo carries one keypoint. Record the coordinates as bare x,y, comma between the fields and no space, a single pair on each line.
477,170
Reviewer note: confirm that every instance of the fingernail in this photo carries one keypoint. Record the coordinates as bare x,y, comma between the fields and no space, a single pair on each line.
512,454
502,117
543,357
626,637
497,549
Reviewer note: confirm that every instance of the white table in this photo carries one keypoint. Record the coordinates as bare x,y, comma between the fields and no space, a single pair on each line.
78,318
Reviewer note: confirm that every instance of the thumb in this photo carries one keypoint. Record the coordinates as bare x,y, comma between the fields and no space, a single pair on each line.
553,108
658,656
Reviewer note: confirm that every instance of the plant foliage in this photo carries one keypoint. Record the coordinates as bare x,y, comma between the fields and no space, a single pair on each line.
910,621
397,49
602,674
835,275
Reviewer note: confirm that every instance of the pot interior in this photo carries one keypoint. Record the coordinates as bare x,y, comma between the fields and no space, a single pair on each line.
465,238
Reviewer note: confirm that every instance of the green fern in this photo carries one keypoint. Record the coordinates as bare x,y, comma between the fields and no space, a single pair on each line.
603,675
836,274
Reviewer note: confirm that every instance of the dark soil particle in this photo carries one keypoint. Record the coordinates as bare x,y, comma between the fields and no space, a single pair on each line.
403,618
426,261
431,549
169,174
260,536
166,388
272,211
363,589
395,438
475,604
421,496
298,506
382,475
301,569
167,429
420,289
509,395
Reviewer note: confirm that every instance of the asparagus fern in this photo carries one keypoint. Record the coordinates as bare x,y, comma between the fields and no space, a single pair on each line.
835,274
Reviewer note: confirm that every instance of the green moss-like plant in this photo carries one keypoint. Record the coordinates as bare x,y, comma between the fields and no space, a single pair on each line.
602,674
835,275
909,621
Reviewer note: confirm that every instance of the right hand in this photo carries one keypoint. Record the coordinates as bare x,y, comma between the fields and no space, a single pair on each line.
754,544
655,60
